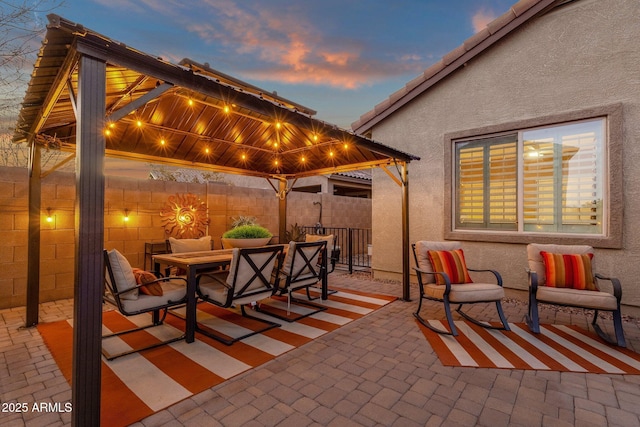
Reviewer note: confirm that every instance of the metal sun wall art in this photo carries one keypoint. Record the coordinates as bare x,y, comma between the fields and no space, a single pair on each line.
184,216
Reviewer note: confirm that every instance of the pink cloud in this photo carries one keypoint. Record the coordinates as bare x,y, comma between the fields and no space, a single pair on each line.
292,48
481,18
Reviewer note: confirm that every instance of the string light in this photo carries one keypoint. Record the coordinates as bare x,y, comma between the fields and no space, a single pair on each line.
331,153
162,141
278,125
226,109
190,102
139,123
244,156
207,151
315,137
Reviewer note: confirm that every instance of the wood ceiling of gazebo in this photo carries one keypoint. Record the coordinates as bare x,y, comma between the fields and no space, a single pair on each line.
185,114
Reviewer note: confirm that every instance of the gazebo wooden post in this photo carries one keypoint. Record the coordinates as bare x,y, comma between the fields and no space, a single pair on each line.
406,284
33,261
282,210
89,233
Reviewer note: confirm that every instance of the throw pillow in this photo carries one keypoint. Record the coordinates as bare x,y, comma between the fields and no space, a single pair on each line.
190,245
145,278
452,263
568,271
123,275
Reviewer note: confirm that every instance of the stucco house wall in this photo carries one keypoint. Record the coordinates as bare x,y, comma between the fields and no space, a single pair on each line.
583,55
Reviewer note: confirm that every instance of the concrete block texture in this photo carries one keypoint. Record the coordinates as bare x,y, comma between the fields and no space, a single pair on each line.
141,200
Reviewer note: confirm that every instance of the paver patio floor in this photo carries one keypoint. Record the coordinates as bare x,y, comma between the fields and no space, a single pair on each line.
375,371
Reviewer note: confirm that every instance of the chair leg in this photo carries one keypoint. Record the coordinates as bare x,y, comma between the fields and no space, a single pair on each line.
156,321
505,324
317,308
230,341
531,318
617,325
453,331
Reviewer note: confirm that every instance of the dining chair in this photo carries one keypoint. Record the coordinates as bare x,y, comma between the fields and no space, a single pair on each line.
248,280
301,270
132,297
443,276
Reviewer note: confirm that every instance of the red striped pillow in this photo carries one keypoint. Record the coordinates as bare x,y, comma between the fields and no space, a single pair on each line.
452,263
568,271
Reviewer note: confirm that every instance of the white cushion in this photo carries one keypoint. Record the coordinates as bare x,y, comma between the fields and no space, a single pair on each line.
173,290
190,245
122,274
315,237
299,270
467,292
241,272
577,298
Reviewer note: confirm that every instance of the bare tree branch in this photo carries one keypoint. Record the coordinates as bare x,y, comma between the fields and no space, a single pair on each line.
22,23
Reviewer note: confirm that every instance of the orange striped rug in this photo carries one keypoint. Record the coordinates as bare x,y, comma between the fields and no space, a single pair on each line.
556,348
140,384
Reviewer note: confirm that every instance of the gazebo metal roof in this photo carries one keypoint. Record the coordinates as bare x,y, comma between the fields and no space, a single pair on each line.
185,114
96,97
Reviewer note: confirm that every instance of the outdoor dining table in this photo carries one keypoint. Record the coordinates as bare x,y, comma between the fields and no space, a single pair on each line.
198,262
193,263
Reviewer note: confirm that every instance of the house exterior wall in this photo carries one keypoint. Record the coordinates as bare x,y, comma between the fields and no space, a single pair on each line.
580,56
144,199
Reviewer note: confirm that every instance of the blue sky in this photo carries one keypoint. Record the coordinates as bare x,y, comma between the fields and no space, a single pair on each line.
338,57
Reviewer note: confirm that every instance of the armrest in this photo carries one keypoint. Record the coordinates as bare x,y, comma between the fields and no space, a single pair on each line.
533,280
494,272
447,281
617,287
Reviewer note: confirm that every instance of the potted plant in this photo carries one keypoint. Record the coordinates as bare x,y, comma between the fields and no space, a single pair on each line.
245,233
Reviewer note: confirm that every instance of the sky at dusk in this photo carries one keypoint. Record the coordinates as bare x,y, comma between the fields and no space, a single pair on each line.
338,57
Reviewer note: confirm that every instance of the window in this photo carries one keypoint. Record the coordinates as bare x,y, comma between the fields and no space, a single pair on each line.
549,179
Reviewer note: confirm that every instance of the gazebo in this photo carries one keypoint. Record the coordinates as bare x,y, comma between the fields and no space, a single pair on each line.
92,97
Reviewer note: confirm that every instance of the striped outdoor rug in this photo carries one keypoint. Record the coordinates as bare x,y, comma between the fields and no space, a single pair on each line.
556,348
140,384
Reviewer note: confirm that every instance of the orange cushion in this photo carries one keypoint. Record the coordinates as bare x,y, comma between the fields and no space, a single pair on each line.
144,277
452,263
568,271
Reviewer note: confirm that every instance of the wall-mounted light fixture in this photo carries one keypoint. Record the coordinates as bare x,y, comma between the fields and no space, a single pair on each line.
126,215
49,215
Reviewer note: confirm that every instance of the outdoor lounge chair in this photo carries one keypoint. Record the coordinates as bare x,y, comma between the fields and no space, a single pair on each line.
300,270
248,280
449,282
130,297
576,286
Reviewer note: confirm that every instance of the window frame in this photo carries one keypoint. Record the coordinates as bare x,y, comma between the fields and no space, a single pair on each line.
613,214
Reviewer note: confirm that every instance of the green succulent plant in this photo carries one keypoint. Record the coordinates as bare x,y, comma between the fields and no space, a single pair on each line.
247,232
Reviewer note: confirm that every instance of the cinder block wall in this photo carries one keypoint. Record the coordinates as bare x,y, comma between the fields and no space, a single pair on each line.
143,199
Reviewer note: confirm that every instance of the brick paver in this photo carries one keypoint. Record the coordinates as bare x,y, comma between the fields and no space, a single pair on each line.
379,370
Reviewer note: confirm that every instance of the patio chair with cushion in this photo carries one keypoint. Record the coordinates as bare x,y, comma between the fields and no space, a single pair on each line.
443,276
248,280
300,270
564,275
135,292
333,258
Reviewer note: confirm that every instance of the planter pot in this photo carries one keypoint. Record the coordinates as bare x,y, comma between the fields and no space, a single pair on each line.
244,243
